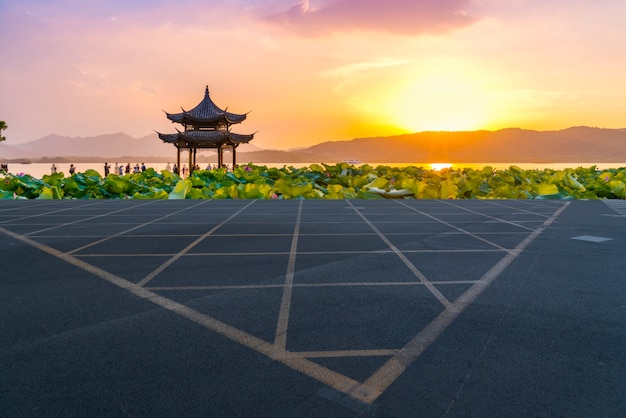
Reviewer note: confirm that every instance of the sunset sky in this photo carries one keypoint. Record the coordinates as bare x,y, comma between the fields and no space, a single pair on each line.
311,71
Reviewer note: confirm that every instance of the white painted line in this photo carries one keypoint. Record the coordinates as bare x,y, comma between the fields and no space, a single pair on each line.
522,211
591,238
374,386
190,246
303,285
617,205
491,217
322,374
444,301
134,228
12,220
395,366
344,353
89,218
280,339
493,244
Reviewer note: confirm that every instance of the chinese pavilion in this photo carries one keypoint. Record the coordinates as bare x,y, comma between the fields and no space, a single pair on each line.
206,126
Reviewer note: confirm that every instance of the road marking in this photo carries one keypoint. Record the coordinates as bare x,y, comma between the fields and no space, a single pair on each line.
416,272
190,246
395,366
591,238
344,353
75,250
309,285
280,339
617,205
12,220
324,375
376,384
88,218
493,244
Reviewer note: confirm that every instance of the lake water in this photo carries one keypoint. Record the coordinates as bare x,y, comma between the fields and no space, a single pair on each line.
38,170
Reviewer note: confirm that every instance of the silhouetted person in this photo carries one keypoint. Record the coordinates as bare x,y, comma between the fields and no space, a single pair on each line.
72,169
106,169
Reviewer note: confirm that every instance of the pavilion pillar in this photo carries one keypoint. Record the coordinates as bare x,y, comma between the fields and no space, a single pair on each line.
178,158
195,155
190,159
220,156
234,156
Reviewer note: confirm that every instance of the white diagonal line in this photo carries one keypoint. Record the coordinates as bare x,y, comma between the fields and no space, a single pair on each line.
518,225
91,244
322,374
493,244
182,252
444,301
395,366
89,218
12,220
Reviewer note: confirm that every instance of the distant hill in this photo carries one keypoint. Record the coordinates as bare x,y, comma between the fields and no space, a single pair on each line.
577,144
118,146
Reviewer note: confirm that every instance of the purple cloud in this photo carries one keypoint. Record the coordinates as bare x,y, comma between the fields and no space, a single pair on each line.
408,17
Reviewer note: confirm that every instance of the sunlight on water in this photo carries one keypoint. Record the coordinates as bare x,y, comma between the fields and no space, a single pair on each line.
439,166
37,170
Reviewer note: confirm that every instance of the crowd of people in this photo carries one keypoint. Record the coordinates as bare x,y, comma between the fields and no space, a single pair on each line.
121,169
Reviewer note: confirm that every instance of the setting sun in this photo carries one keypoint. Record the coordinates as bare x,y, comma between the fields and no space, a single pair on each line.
440,166
445,101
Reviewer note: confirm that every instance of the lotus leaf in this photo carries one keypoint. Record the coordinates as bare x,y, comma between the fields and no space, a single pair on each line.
547,189
154,194
377,183
198,193
5,195
254,191
339,181
449,190
289,191
180,190
228,192
618,188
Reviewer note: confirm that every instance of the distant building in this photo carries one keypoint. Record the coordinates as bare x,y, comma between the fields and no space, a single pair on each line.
206,126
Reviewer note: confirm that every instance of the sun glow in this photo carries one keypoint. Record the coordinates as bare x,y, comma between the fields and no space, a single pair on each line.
443,101
440,166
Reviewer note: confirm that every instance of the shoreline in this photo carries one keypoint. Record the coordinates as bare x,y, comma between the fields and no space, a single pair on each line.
37,170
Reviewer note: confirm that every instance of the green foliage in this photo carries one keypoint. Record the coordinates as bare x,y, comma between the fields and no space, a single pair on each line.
325,181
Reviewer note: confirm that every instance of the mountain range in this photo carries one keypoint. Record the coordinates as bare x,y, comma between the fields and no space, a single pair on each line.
577,144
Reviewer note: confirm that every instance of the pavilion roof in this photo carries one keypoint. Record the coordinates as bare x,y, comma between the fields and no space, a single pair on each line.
206,112
208,139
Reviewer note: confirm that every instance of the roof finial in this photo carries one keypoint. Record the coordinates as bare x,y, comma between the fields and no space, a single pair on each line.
206,92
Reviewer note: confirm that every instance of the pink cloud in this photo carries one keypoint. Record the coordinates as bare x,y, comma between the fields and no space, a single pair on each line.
408,17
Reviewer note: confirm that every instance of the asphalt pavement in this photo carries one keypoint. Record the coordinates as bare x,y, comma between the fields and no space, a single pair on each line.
340,308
